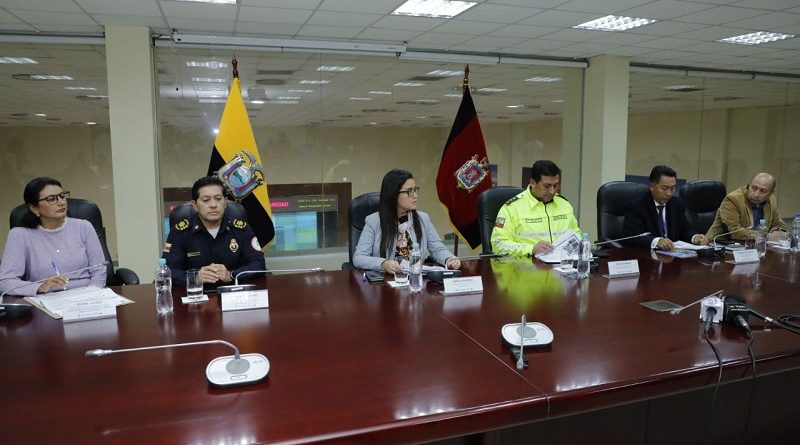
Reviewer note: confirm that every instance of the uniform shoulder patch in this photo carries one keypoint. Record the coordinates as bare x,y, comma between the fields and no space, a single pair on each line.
513,198
182,224
239,224
562,197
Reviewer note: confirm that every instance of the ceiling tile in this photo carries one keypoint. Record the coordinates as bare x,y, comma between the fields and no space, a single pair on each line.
603,7
538,3
666,9
190,10
291,4
370,7
558,18
665,43
274,15
628,51
442,37
387,35
200,26
711,33
720,15
524,31
129,20
541,44
498,13
329,32
408,23
776,5
329,18
42,5
666,28
492,44
53,18
269,29
768,22
147,8
575,35
588,49
468,27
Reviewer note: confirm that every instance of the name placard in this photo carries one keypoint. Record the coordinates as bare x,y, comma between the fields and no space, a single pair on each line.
620,269
463,285
246,299
745,256
90,310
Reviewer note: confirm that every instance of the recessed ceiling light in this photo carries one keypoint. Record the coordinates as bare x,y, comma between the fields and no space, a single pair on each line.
91,123
40,115
427,101
452,95
515,106
283,102
433,8
679,87
97,96
289,98
492,90
557,101
445,73
81,88
615,23
209,79
543,79
206,64
257,102
216,130
409,84
385,93
300,91
49,77
360,98
336,69
17,60
756,38
314,82
211,101
216,2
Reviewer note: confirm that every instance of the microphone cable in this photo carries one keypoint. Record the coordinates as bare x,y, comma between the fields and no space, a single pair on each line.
750,340
716,388
787,322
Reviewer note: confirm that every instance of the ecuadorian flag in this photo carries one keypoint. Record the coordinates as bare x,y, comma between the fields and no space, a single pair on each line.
236,135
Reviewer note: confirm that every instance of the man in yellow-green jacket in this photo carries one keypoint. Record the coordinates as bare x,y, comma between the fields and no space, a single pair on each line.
530,222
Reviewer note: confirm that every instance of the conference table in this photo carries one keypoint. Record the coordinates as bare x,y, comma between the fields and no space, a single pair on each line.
354,362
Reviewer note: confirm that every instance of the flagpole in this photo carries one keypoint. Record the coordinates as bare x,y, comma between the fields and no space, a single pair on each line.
464,86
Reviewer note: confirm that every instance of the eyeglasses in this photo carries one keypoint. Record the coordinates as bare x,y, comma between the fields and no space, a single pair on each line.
411,192
52,199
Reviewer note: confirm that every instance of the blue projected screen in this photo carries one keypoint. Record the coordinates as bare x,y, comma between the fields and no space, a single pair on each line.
295,231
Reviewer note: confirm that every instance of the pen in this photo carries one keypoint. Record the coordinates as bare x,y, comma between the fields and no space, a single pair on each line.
364,277
55,268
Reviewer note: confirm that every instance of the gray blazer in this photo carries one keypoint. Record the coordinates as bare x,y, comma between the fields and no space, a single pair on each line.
368,255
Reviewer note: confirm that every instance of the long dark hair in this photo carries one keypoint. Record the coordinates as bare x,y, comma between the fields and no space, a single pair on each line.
31,197
387,209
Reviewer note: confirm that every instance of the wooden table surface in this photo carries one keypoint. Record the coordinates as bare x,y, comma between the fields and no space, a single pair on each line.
354,362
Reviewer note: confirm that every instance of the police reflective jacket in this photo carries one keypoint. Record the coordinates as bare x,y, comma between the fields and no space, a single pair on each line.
524,221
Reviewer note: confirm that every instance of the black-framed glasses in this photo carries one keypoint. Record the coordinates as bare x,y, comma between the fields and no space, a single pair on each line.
52,199
411,192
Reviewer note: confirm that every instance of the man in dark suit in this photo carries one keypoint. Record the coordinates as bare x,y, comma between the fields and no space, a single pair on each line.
661,214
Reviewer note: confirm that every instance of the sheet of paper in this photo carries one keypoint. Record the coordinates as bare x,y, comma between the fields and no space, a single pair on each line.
678,253
683,245
56,303
566,240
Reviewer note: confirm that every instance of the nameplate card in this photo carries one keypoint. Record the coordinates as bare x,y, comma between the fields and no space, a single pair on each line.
246,299
90,310
463,285
622,269
197,299
745,256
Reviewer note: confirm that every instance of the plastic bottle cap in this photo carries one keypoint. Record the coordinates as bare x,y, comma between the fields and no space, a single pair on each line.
162,261
415,245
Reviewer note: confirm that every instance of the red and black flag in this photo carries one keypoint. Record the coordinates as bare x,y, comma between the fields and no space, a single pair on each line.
235,142
464,170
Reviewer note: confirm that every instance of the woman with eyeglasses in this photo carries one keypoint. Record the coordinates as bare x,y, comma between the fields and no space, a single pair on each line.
40,255
389,233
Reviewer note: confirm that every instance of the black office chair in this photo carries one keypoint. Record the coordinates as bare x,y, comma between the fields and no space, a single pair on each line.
702,199
489,203
88,210
233,210
357,211
613,200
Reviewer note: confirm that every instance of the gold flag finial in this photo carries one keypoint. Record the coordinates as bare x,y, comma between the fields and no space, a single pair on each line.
234,63
465,83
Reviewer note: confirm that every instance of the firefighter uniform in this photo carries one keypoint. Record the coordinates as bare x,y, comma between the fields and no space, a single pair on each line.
524,221
190,246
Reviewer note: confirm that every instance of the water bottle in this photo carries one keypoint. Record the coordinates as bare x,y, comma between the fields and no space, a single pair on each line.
415,269
794,235
163,288
761,238
584,257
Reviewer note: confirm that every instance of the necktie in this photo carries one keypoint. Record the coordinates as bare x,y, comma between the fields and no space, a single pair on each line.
661,225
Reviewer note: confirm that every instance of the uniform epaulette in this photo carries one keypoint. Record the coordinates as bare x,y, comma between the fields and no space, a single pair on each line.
239,224
512,199
563,197
182,224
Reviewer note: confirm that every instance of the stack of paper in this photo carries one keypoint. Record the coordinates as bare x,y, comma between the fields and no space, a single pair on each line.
84,303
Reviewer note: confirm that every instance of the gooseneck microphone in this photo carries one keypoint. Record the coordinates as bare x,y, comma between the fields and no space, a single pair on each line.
728,233
232,370
13,310
600,243
235,287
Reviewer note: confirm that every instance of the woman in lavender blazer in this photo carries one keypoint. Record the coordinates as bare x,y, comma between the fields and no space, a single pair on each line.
40,256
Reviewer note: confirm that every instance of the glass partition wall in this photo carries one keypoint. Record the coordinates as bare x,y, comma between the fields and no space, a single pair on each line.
329,126
725,129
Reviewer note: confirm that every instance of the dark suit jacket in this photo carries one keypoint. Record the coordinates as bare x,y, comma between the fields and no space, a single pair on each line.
643,217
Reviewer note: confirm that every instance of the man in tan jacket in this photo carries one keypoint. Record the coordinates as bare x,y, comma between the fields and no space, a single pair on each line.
745,206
